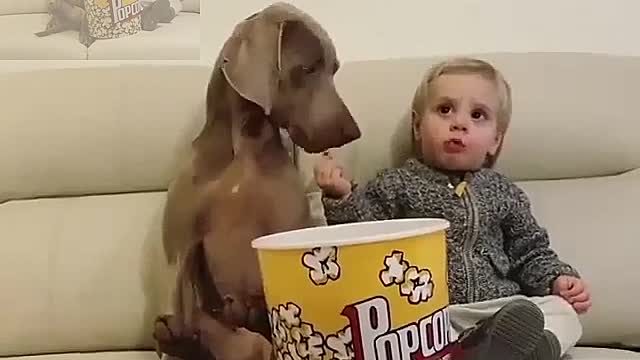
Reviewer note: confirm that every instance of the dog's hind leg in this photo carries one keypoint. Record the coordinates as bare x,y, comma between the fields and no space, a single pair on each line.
175,334
53,27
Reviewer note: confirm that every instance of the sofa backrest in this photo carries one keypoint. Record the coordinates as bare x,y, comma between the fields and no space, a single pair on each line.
93,130
191,5
12,7
86,155
573,145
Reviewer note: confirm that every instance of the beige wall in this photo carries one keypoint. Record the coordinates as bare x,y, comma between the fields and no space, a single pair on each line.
374,29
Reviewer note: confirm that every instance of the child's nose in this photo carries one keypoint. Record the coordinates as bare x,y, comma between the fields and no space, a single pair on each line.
460,123
457,126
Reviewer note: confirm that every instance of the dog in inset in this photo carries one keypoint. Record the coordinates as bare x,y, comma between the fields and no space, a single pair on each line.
68,15
274,72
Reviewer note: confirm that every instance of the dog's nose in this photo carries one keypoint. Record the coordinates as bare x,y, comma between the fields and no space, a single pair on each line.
351,131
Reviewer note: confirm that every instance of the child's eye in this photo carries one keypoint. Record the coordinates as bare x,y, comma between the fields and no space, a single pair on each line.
444,109
476,115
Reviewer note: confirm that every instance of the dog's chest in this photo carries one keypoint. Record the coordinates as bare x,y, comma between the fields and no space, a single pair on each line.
253,205
250,202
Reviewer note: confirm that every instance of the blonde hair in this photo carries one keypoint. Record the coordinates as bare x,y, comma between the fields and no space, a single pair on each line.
466,65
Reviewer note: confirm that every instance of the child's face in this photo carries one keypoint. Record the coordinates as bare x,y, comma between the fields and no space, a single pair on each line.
459,126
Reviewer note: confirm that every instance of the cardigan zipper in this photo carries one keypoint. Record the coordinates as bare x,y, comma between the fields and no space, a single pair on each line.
468,199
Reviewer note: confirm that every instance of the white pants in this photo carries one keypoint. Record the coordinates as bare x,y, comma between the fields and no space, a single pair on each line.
560,318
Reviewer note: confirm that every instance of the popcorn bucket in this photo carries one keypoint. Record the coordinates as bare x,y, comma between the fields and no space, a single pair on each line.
109,19
365,291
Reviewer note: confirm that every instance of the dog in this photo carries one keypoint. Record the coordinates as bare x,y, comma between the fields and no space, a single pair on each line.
68,15
274,72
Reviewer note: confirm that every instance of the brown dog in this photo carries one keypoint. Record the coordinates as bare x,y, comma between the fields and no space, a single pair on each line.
68,15
275,71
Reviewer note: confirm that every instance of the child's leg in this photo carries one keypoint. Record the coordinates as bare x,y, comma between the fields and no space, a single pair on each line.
507,328
466,316
561,320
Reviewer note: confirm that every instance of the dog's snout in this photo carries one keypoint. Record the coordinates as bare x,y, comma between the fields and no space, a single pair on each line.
327,123
351,131
298,135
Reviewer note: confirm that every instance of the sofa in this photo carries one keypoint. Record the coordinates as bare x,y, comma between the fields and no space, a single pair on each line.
20,19
84,178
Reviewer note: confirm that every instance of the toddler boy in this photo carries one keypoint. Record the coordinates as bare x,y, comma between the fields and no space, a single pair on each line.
511,296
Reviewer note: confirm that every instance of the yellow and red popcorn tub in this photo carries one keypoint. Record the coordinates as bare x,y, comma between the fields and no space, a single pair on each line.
364,291
110,19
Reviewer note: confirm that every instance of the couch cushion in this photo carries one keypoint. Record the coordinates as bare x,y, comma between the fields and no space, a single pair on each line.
109,355
81,274
18,41
116,128
178,40
191,6
592,224
587,353
9,7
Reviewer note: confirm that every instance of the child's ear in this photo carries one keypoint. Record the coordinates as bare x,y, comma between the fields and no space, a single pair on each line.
415,125
496,145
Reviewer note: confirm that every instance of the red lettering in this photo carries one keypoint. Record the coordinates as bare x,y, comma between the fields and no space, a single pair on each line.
373,339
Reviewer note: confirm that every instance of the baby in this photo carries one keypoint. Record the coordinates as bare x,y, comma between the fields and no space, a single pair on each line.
511,296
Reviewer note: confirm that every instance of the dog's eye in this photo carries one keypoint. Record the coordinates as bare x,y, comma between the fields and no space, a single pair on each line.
309,69
313,67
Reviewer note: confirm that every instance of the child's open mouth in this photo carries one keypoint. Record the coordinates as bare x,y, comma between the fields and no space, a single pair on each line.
454,146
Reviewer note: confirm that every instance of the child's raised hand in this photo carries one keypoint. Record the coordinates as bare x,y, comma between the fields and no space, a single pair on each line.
574,291
330,178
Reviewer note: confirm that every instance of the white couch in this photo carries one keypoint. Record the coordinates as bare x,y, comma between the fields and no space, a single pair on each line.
84,174
20,19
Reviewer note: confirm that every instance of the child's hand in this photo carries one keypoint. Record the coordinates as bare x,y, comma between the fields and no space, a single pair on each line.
330,178
574,291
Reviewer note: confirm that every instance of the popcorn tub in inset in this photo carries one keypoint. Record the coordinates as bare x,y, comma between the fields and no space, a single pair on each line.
365,291
110,19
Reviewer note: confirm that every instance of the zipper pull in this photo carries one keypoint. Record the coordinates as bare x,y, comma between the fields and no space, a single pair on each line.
461,188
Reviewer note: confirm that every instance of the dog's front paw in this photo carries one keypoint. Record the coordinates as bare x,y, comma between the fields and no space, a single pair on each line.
174,339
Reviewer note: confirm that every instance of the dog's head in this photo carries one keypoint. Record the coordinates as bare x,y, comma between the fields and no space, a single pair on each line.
53,5
281,60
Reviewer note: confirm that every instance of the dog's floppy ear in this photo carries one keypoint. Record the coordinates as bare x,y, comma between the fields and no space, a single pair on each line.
250,60
299,43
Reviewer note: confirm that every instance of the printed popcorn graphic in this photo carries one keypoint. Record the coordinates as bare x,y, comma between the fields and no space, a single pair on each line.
295,339
395,266
341,344
416,284
322,263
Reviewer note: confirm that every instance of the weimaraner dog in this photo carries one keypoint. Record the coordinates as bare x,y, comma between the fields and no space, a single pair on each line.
275,72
